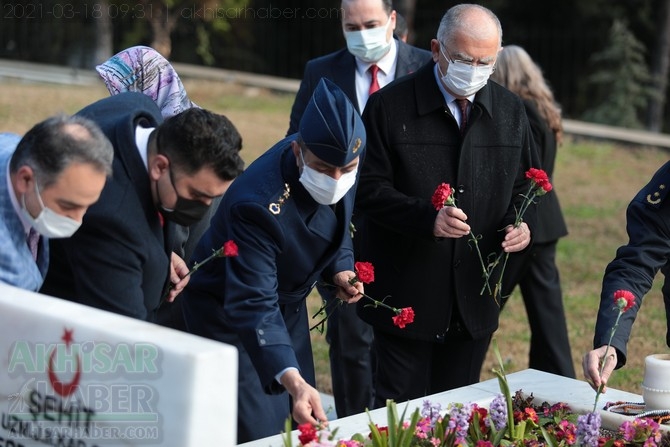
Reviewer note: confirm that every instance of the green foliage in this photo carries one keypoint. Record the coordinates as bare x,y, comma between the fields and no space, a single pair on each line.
620,83
206,19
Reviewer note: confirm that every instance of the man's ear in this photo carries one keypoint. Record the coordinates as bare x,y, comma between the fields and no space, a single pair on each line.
158,164
25,180
296,151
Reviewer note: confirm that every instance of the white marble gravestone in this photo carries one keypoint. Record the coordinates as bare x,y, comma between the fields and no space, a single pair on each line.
76,376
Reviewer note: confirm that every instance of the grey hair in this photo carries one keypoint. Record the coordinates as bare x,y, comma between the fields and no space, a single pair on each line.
53,144
453,22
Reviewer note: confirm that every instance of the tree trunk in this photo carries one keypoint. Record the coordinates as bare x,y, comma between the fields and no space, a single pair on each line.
162,24
103,33
660,67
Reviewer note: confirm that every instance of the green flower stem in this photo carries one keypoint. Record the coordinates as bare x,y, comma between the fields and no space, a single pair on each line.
196,266
377,303
529,198
602,365
216,254
324,307
497,292
485,271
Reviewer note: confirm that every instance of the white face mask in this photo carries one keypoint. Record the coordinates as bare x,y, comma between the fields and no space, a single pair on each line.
323,188
463,79
369,45
49,223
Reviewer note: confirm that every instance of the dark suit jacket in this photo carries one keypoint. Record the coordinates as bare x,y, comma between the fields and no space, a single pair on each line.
119,259
414,144
259,296
340,67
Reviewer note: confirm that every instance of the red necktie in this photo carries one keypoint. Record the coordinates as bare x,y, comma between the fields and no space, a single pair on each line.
374,83
33,242
463,104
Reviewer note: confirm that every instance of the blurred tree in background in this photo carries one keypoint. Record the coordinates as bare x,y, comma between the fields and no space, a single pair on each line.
619,85
274,38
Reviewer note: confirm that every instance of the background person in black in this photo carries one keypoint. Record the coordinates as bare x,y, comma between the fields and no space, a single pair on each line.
536,272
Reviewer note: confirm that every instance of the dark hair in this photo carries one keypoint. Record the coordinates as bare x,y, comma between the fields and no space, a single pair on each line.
197,138
53,144
386,4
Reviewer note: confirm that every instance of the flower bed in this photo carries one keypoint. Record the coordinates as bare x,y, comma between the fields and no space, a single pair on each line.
531,423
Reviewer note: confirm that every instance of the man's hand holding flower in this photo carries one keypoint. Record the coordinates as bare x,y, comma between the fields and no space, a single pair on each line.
516,239
350,293
179,277
450,222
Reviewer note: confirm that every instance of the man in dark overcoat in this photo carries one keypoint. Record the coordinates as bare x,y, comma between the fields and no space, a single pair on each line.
443,124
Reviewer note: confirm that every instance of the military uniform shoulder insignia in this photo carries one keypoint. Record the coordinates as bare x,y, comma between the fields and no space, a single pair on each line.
275,207
658,195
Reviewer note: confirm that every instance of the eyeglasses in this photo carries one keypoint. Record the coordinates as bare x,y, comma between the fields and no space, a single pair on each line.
471,63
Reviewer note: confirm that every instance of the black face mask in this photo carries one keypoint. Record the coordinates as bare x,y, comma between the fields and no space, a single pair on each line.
186,211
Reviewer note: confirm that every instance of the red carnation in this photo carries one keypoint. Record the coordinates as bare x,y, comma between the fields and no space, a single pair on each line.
230,249
541,179
307,433
365,272
537,175
404,317
624,300
443,196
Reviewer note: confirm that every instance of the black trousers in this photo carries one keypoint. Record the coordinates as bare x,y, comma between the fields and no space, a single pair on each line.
350,352
409,369
540,287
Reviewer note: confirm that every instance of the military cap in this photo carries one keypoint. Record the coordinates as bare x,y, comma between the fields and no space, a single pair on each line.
331,127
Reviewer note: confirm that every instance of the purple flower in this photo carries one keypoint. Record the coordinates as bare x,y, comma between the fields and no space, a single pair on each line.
431,412
588,429
459,415
498,413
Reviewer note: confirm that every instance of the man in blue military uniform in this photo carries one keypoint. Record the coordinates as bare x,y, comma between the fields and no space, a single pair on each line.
633,268
289,215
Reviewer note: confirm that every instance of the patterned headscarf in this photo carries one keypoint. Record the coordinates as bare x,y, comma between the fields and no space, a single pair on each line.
142,69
